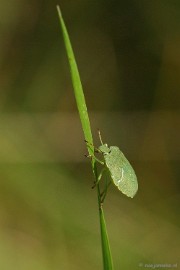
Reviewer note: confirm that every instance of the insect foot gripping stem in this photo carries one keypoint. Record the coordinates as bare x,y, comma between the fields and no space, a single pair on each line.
90,144
93,156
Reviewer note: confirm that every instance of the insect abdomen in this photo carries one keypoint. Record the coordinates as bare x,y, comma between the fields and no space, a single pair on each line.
121,172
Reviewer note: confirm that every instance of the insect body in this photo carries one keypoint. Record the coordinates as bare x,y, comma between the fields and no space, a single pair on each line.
121,171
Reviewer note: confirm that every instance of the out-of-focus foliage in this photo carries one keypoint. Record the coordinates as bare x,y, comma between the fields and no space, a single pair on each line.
129,59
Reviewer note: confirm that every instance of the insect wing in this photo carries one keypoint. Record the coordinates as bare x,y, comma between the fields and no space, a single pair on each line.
121,172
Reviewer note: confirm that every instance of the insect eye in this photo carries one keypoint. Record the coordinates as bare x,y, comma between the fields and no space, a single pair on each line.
106,153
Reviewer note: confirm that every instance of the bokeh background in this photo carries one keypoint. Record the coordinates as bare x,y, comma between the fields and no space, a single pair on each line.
129,60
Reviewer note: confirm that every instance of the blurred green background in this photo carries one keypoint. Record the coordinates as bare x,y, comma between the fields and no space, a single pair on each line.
129,60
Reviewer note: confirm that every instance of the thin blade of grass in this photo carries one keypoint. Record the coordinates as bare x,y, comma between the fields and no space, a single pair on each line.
76,81
82,108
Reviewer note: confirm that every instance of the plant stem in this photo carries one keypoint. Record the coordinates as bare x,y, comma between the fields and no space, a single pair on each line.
83,113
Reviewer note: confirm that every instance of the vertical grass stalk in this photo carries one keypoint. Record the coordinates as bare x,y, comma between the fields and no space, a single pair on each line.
83,113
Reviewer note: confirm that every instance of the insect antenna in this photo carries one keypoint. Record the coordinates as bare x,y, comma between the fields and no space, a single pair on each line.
100,138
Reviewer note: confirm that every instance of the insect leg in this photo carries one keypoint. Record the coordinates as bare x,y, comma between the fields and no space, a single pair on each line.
98,160
95,148
103,194
99,177
107,184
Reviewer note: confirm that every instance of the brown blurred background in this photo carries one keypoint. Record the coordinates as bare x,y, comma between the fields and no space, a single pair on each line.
129,60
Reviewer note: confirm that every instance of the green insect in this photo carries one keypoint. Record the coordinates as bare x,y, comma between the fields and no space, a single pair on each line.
121,172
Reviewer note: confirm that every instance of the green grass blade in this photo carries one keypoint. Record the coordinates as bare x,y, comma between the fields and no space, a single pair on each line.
82,108
78,91
107,258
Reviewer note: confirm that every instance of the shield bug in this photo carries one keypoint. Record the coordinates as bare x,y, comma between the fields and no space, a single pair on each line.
121,172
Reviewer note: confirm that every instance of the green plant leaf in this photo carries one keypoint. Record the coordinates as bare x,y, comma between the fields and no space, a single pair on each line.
76,81
83,113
